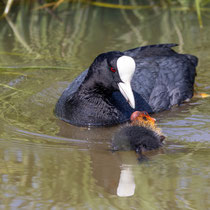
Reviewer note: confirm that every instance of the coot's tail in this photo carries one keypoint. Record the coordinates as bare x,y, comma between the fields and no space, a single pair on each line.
193,59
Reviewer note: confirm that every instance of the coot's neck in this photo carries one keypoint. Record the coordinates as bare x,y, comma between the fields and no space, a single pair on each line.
94,91
97,97
92,105
94,87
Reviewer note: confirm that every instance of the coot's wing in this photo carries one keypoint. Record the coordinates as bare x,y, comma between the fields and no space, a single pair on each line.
162,77
68,93
147,66
174,83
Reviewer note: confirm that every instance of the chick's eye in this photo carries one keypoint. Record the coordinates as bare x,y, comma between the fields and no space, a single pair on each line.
112,69
144,118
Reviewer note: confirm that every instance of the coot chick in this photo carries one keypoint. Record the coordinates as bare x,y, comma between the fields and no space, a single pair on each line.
140,135
109,91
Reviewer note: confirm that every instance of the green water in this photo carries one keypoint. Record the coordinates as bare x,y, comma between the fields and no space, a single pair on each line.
48,164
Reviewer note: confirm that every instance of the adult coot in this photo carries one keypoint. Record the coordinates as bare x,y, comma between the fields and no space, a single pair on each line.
102,94
140,135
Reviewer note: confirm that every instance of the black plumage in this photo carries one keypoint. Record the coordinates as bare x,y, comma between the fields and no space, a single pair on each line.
162,79
137,138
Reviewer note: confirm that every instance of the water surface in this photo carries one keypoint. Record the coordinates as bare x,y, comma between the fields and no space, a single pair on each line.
48,164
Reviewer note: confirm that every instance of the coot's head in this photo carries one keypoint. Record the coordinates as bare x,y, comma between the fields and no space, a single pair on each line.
111,72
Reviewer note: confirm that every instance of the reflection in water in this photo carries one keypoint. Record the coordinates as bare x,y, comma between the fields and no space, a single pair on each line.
126,186
46,163
98,134
34,175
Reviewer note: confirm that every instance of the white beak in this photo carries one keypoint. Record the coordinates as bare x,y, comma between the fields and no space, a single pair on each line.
125,89
126,67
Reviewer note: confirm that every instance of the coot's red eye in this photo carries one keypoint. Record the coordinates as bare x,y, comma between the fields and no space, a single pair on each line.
112,69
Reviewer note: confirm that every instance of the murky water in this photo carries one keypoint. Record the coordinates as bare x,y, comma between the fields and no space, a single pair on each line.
48,164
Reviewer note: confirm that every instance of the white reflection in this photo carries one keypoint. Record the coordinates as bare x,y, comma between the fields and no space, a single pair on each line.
126,186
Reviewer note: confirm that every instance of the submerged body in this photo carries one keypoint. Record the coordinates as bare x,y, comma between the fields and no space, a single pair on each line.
97,97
